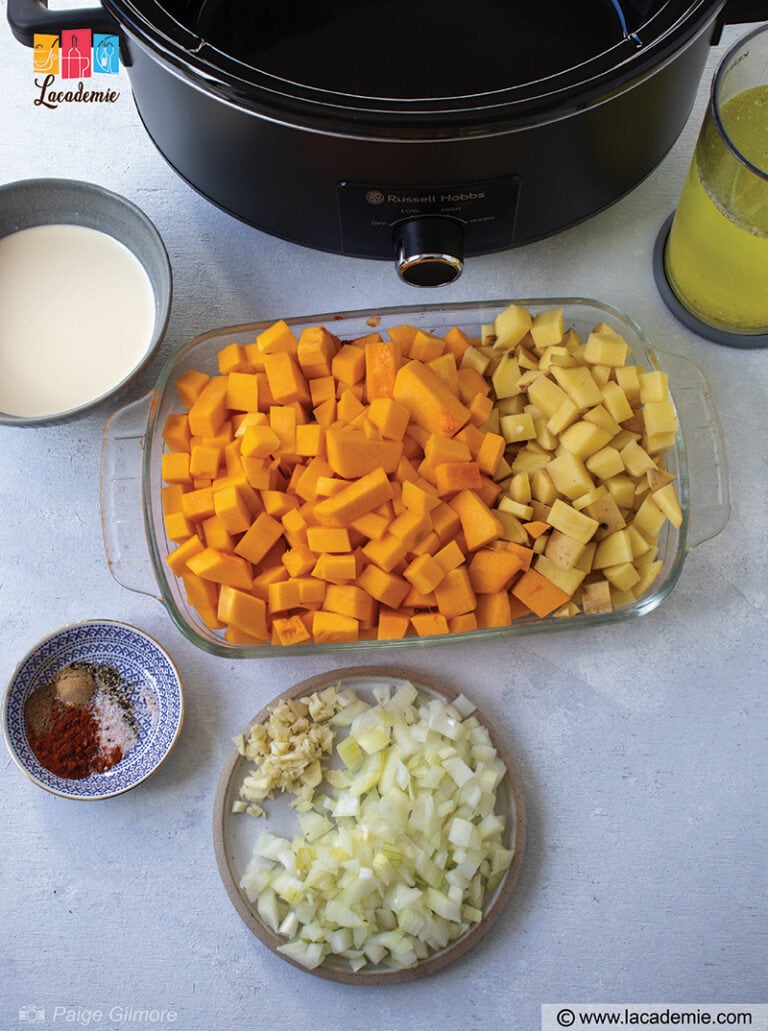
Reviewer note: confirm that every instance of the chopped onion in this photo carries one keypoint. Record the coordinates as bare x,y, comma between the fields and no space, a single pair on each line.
399,850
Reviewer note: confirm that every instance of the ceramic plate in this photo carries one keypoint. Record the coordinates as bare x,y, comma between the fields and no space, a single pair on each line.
150,677
236,833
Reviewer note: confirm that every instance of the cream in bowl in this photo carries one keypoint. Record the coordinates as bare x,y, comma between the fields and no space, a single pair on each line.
85,289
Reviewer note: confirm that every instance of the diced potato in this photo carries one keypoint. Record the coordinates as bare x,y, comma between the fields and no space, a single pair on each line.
596,597
584,438
605,349
613,550
605,463
505,377
572,523
548,328
511,325
578,383
563,550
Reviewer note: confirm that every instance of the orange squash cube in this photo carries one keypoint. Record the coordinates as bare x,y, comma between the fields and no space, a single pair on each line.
222,568
429,624
232,357
176,433
348,364
290,630
209,409
478,523
189,384
315,352
387,588
454,594
424,573
392,625
174,467
278,337
261,535
243,391
333,628
382,360
286,380
177,559
243,611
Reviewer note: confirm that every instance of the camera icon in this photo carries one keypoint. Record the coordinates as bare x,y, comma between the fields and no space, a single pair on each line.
31,1015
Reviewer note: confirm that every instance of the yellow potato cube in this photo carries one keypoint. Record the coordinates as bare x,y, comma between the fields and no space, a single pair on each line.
596,597
658,442
508,504
654,386
613,550
605,349
511,325
568,580
567,520
548,328
569,475
616,401
647,577
628,378
649,519
556,356
512,527
563,550
546,395
636,459
590,497
602,417
659,417
567,413
667,500
584,438
607,513
515,428
601,374
605,463
505,377
622,488
578,383
519,488
623,577
528,460
584,562
475,359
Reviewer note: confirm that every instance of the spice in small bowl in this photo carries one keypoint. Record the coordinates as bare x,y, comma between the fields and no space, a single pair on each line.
93,709
81,721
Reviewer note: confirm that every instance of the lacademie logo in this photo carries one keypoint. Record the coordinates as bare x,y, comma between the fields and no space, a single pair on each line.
76,54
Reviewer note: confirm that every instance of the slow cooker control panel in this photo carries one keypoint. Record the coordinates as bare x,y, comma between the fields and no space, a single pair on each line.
370,214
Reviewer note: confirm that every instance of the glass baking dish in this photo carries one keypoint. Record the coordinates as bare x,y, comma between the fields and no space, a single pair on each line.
132,518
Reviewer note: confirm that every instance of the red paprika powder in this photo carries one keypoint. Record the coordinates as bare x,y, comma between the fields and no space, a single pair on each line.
70,748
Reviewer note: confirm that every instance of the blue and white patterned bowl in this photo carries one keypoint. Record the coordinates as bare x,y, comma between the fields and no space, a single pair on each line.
141,662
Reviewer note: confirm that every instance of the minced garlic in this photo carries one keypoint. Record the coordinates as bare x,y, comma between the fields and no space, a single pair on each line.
289,747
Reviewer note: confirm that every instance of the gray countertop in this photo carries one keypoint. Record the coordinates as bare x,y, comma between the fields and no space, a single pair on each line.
641,746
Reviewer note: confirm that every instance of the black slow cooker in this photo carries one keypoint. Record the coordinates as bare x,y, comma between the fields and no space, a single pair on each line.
427,130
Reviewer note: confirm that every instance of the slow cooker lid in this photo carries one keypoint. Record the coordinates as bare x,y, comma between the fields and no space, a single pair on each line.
411,50
410,57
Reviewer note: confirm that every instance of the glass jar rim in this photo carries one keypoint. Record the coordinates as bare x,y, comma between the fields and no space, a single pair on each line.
723,68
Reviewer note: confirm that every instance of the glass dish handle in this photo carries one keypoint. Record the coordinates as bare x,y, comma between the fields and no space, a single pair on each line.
709,491
122,521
